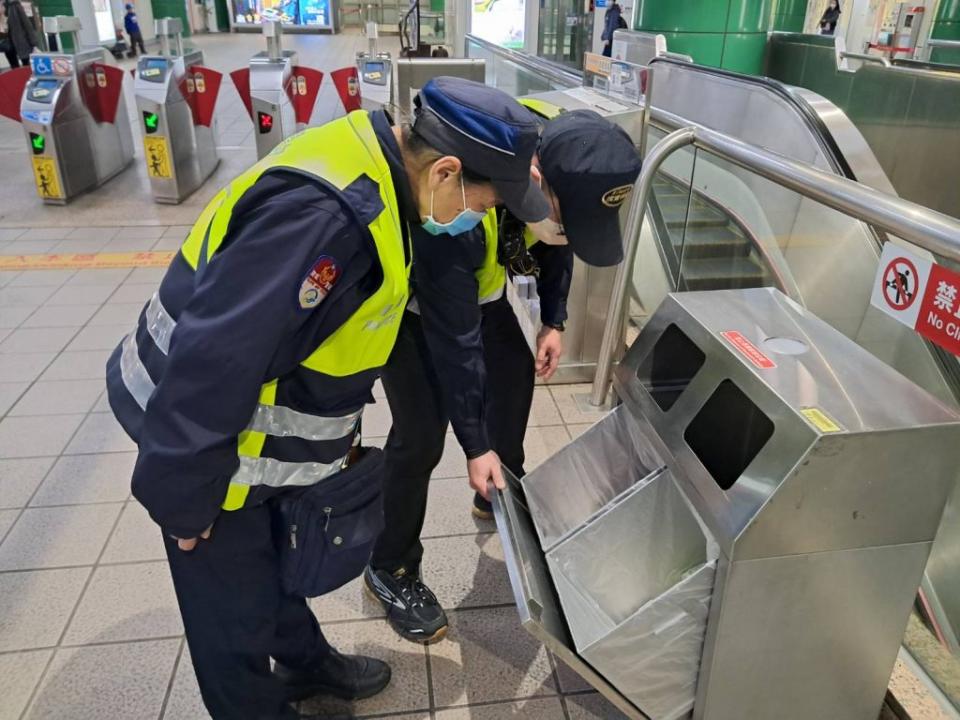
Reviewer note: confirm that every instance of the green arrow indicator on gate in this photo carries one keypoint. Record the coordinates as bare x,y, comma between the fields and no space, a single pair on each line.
38,142
150,121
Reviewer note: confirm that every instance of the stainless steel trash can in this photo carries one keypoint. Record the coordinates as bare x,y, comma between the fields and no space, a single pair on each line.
745,535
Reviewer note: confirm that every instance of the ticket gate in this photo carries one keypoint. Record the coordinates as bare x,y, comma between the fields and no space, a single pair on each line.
744,537
375,73
74,117
278,93
176,97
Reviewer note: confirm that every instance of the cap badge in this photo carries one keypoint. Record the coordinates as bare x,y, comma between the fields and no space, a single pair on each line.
615,197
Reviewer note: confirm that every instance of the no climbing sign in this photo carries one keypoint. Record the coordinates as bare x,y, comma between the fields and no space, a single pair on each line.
920,294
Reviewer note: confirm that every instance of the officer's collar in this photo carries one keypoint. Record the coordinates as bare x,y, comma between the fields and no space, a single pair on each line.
383,127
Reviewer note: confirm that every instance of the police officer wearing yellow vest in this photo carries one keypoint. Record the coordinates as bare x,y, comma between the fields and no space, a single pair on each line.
245,379
461,353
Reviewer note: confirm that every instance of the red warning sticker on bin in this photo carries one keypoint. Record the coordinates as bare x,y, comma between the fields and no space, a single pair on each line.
746,348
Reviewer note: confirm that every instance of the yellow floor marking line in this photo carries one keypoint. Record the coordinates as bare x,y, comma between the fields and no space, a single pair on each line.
86,261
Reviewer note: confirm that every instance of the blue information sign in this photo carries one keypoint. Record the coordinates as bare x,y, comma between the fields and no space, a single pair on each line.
41,64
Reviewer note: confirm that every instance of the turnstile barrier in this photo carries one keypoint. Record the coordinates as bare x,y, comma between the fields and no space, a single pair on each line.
745,535
74,118
176,98
279,94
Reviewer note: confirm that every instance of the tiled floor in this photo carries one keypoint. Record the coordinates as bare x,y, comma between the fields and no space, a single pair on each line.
89,628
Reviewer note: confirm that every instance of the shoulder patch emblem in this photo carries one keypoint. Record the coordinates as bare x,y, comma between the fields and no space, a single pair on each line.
615,197
319,282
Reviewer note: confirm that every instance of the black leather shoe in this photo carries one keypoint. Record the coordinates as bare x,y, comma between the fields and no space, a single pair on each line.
347,677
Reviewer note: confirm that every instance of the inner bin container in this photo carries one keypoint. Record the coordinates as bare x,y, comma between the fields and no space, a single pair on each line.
631,563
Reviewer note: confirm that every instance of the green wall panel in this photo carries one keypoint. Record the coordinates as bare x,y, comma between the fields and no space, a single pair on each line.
683,15
946,31
172,8
790,7
788,23
704,48
743,52
749,16
948,11
223,15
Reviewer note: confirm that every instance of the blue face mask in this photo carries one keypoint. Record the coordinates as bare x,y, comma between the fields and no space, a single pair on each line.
464,222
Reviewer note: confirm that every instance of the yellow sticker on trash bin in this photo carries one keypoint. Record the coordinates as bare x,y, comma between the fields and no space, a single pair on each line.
46,178
157,157
820,420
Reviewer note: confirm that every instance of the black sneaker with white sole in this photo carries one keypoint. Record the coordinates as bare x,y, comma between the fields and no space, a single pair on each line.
412,610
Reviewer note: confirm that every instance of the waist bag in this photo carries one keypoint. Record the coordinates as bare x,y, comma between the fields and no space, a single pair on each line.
328,529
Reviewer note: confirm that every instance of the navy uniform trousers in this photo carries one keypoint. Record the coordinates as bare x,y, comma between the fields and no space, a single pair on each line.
237,616
416,440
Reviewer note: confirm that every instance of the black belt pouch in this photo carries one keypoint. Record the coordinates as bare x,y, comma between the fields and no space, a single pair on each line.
328,529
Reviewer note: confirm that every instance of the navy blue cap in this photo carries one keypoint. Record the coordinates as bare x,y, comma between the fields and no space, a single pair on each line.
491,133
591,166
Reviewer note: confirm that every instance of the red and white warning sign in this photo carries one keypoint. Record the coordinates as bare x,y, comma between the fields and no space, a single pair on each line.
920,294
746,348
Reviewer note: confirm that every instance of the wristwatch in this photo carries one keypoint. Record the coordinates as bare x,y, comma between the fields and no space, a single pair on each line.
556,326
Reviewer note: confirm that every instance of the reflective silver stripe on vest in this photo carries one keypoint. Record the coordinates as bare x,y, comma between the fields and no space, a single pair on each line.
134,373
277,473
159,323
274,420
282,421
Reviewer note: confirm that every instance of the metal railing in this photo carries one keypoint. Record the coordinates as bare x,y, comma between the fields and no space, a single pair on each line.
928,229
866,58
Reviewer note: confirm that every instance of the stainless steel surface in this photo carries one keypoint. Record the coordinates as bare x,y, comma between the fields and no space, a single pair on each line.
273,32
782,508
269,79
935,232
534,595
190,148
815,515
550,72
86,153
414,73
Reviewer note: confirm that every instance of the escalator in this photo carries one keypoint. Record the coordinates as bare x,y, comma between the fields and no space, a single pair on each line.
715,249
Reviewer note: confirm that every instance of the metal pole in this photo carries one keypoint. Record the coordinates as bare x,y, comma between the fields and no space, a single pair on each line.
613,329
647,105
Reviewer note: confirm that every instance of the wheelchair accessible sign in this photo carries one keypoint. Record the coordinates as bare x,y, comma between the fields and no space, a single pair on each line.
920,294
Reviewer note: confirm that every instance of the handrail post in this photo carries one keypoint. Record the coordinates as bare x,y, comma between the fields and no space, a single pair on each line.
613,328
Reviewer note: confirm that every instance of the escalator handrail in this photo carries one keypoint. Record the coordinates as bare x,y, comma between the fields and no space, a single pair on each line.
810,117
926,228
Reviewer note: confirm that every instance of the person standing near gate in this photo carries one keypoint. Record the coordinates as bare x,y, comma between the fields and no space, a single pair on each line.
132,26
245,379
21,36
461,353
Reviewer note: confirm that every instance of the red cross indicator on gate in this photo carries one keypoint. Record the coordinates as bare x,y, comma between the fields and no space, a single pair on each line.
900,281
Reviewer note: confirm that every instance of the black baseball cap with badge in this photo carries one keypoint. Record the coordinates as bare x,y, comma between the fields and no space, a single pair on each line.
591,165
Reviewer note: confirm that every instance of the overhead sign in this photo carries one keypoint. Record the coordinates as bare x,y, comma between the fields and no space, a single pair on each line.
920,294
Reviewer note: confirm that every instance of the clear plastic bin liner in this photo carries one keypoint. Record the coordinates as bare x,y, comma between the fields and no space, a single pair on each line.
654,657
577,482
635,584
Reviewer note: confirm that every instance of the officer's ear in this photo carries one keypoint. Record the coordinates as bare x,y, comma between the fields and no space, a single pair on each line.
444,170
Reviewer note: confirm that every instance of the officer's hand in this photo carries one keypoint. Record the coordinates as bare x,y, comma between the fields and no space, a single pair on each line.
188,544
549,349
483,470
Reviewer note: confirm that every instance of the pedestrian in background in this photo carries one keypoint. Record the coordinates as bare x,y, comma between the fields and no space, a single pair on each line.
613,20
830,18
21,37
133,30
